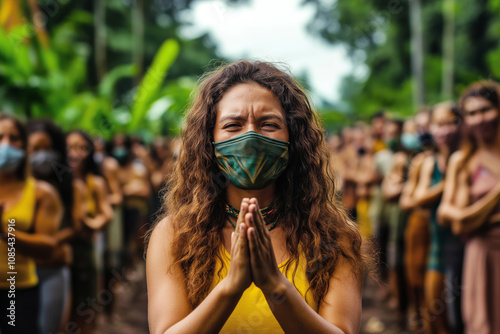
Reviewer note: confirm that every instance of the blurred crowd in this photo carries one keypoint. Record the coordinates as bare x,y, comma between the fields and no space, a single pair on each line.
81,207
423,191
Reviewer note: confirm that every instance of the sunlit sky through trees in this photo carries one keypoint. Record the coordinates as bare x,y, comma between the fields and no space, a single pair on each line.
274,31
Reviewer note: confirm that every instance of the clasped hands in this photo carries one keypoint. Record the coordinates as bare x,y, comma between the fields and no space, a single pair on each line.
252,254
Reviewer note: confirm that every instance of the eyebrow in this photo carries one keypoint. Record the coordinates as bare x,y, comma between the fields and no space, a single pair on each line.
241,118
479,109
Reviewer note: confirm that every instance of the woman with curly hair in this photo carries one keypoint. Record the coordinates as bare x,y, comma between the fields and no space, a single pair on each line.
253,238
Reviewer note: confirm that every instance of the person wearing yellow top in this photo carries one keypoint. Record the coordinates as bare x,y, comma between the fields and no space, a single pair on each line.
86,269
253,177
30,213
47,155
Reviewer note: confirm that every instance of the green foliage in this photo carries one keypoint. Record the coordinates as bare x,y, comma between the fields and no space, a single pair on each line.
152,82
377,32
61,81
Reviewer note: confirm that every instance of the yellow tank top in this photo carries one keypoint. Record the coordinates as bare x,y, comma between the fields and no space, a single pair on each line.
379,145
23,213
252,314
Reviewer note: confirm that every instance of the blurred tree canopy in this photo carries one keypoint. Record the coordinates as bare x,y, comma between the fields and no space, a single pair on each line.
100,65
377,33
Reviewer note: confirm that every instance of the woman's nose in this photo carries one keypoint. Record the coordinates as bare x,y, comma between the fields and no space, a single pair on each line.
251,127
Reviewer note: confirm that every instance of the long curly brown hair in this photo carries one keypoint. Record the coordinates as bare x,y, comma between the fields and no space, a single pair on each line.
306,206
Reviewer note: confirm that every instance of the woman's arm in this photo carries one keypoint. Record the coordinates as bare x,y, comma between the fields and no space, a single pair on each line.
339,313
169,309
455,208
105,212
406,201
47,219
110,172
393,183
424,193
467,219
451,183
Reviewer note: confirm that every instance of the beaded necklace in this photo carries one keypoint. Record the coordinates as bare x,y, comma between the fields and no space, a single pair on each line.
233,212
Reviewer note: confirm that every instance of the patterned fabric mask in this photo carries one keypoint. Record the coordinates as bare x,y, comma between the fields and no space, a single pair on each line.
252,161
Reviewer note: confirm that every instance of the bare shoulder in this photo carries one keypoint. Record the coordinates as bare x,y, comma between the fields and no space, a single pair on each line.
99,182
79,186
45,190
457,157
428,163
419,159
161,236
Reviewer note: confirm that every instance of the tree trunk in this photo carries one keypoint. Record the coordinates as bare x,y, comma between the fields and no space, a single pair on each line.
417,54
138,38
448,48
100,38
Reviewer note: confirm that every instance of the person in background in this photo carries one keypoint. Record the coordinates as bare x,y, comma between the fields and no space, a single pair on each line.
378,120
392,187
378,205
444,127
47,156
366,177
161,156
348,156
471,205
335,145
32,211
417,235
88,250
113,235
134,180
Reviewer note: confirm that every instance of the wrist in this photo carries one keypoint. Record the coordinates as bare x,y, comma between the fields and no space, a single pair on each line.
276,288
230,291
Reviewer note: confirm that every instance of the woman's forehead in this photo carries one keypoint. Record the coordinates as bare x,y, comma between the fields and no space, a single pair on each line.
248,97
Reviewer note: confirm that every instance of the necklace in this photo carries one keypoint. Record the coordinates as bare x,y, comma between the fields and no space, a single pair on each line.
233,212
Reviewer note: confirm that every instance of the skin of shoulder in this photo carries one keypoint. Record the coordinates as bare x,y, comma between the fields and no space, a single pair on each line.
79,186
456,157
51,206
99,183
427,166
164,280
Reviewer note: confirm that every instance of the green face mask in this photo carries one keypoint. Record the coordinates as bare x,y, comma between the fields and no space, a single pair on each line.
252,161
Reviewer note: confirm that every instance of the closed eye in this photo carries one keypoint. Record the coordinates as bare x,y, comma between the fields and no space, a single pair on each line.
230,125
273,125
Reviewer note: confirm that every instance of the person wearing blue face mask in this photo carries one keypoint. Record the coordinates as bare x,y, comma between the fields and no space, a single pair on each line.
47,157
253,238
32,211
133,179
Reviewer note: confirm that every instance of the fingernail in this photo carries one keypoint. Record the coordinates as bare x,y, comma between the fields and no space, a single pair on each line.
241,228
